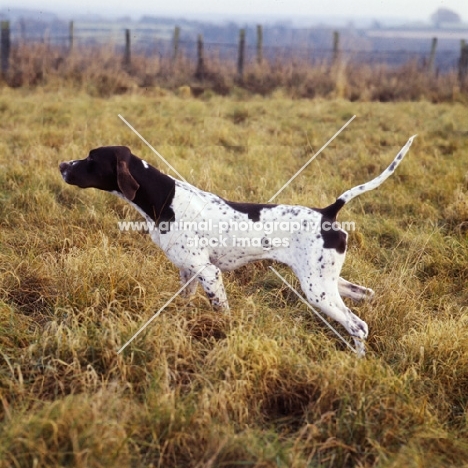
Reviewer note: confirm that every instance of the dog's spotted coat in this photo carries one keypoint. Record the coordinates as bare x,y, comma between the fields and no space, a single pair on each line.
316,256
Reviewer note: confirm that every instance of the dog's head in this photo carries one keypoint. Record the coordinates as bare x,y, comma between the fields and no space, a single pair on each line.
106,168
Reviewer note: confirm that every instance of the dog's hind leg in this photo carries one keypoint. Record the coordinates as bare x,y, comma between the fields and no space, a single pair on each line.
354,291
325,296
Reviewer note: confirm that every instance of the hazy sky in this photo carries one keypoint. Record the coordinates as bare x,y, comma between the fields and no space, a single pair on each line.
419,9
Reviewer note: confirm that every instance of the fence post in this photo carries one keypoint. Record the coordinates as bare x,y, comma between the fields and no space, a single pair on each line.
22,25
463,63
430,64
200,72
71,28
6,44
336,46
241,57
259,44
176,43
127,58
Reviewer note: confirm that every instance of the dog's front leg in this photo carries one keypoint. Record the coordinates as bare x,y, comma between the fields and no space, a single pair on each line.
191,289
212,281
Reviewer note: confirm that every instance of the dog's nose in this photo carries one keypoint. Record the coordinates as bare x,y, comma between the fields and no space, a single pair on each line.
63,166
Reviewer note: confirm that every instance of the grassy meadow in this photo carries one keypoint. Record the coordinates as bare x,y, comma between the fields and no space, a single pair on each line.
267,385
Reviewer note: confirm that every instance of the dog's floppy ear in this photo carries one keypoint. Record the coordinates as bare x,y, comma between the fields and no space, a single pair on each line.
126,182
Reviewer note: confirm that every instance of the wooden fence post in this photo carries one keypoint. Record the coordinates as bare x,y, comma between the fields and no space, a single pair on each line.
6,45
241,56
127,57
259,44
463,63
336,46
176,43
200,72
22,25
430,64
71,28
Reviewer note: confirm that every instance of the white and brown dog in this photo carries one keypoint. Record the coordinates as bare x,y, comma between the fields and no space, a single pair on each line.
198,230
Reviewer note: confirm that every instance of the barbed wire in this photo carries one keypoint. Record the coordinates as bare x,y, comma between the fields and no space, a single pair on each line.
143,42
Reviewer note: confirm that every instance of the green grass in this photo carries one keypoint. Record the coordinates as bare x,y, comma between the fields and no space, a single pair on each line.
266,386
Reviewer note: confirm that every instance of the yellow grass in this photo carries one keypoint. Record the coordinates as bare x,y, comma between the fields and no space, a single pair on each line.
266,386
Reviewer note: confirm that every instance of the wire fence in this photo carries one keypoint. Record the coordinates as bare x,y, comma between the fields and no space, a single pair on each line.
225,56
161,42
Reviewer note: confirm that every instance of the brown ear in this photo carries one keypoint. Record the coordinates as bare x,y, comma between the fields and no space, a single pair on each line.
127,184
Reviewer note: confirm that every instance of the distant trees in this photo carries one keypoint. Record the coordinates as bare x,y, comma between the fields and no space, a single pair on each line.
444,15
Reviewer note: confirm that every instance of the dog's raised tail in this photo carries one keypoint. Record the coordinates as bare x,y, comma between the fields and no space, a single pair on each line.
332,210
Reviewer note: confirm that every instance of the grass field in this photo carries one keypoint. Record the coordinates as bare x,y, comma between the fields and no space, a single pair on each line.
268,385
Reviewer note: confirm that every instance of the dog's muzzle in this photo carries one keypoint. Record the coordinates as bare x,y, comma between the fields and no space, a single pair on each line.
64,167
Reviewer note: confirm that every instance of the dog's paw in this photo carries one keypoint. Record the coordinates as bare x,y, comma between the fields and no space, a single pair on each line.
369,295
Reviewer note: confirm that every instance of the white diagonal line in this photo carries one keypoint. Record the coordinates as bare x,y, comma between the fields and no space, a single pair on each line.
151,148
161,309
313,310
201,269
311,159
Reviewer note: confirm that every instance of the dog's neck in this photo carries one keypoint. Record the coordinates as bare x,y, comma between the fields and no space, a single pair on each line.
153,198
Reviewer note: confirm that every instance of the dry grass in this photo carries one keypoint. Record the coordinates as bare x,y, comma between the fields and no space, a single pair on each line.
266,386
100,71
